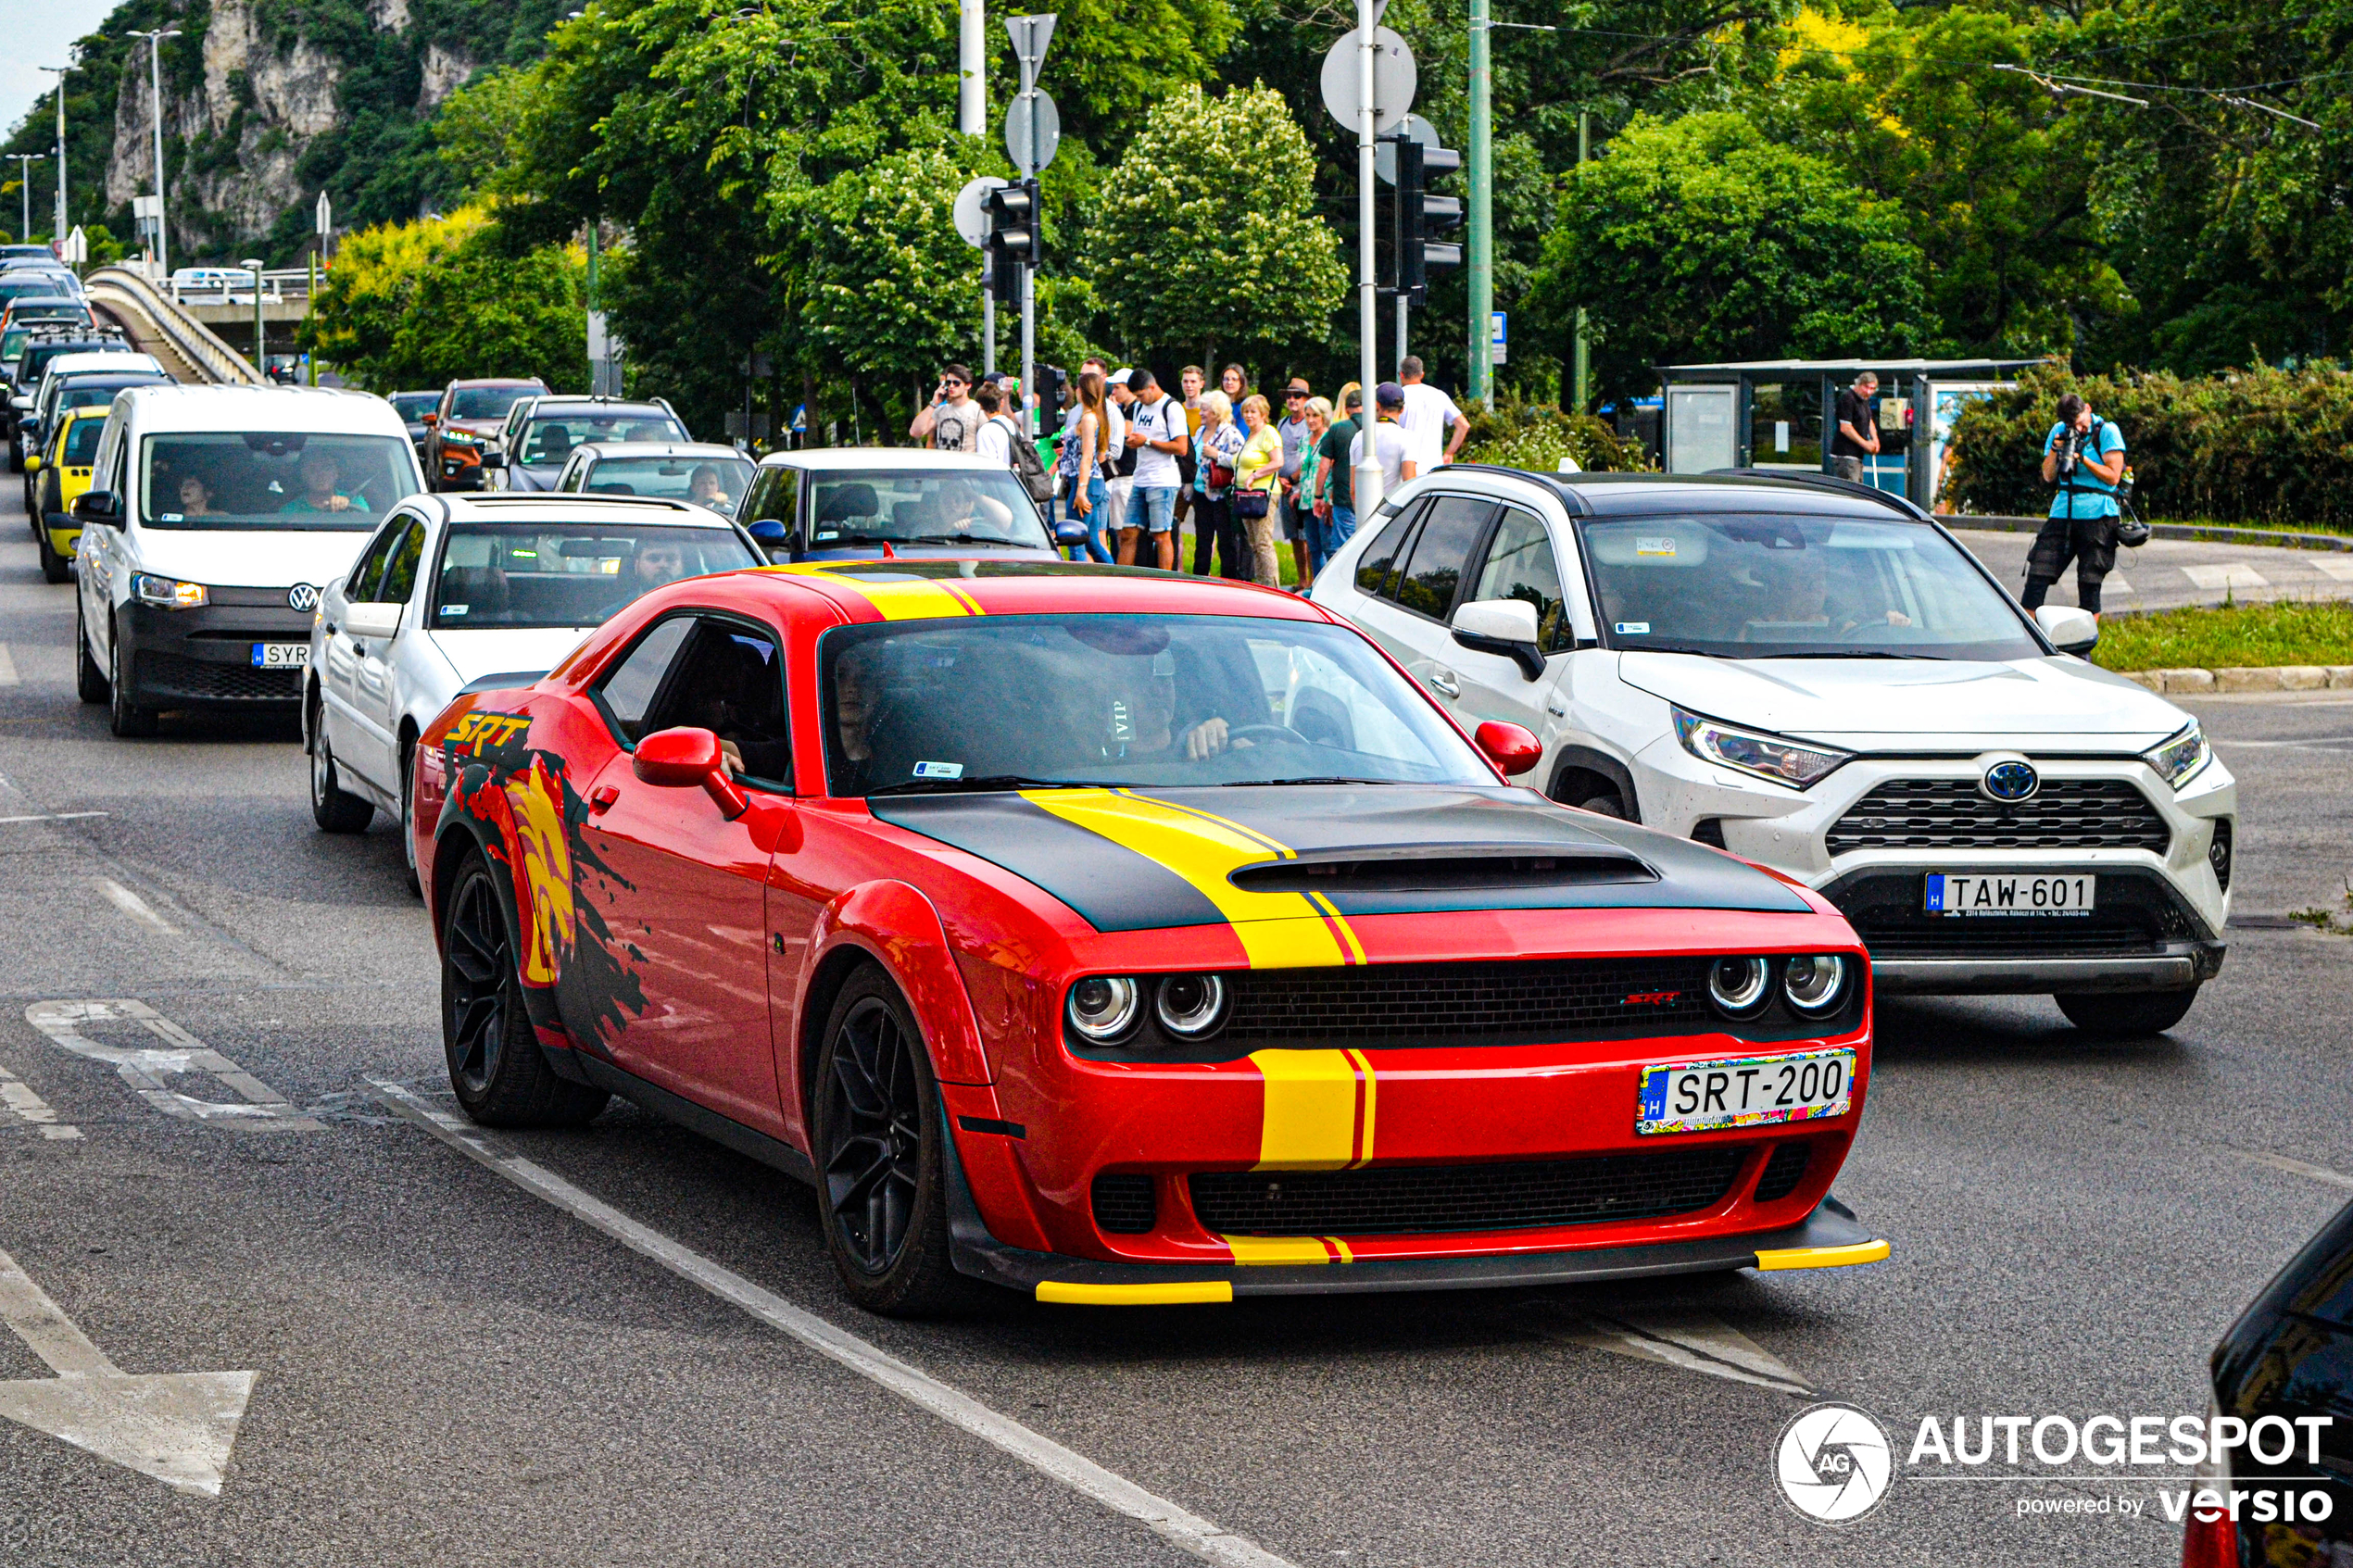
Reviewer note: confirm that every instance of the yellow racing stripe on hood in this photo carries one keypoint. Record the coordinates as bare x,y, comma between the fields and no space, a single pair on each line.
904,598
1277,930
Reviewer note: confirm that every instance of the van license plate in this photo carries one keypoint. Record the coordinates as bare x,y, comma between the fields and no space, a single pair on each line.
282,656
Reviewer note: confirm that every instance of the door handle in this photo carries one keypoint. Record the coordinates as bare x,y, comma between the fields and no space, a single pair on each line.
603,799
1443,682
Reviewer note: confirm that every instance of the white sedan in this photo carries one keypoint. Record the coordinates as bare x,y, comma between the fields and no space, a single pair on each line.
1818,678
455,588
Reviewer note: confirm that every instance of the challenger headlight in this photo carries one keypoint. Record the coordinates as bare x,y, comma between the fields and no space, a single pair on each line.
168,593
1790,762
1104,1007
2181,757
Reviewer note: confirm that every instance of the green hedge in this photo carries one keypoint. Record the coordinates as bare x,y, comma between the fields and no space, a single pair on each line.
1516,434
2260,445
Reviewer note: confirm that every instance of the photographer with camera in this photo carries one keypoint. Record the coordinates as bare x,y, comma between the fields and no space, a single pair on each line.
2084,458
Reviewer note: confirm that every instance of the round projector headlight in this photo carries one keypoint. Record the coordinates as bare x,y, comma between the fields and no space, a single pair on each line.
1739,987
1816,984
1103,1008
1191,1006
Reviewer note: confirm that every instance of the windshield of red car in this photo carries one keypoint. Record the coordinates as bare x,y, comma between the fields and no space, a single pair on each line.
543,574
1163,700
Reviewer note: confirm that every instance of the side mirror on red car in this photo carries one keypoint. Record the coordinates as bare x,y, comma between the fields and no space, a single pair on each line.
690,759
1510,748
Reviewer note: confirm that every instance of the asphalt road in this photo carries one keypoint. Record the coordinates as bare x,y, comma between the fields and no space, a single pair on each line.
448,1369
2168,573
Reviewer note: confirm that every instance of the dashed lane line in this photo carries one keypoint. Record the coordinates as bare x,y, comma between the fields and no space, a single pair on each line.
7,667
2295,1167
17,1096
1180,1528
54,817
130,904
152,1073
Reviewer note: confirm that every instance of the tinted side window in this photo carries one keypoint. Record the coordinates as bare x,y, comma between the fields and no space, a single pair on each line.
1520,566
730,681
401,567
1441,553
359,587
630,689
1377,568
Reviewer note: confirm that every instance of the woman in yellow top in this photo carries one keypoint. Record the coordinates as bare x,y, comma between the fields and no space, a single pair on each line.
1257,469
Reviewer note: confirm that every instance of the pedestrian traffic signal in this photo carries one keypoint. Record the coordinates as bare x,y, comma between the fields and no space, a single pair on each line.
1419,215
1015,240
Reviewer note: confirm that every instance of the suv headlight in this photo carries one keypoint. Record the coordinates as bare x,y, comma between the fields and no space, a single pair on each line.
1794,763
459,438
168,593
2182,756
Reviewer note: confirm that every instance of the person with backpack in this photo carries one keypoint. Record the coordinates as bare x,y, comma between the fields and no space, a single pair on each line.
1159,435
2084,456
1119,467
1001,440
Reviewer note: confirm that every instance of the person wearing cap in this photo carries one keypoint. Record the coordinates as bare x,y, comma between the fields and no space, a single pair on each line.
1299,444
1386,440
1119,461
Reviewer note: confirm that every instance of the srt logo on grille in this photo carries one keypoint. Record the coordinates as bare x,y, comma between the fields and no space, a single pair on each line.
2011,781
1651,999
302,595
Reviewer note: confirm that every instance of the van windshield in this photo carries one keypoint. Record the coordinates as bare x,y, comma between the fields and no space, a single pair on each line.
272,478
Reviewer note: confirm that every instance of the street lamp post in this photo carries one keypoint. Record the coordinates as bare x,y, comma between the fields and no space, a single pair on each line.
58,236
1481,177
254,264
24,186
154,81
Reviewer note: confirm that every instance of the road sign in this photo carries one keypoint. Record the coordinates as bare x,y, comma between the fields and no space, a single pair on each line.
1048,135
324,213
1394,79
1385,154
1030,36
1498,338
971,208
77,247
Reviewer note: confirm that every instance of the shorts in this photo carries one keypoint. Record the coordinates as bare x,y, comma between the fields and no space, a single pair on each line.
1849,469
1116,494
1154,509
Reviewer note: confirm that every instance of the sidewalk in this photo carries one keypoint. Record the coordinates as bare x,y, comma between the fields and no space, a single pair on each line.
2169,574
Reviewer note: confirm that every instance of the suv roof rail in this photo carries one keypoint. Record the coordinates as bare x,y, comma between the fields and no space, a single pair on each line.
1828,482
567,497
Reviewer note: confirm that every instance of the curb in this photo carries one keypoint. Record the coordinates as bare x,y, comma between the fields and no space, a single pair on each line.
2246,678
2269,538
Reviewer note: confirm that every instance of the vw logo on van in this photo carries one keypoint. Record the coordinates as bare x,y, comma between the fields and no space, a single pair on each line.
2011,781
302,595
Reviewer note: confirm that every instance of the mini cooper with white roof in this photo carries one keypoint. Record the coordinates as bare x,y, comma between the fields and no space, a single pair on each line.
1818,678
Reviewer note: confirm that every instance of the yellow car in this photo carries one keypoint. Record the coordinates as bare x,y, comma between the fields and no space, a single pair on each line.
61,472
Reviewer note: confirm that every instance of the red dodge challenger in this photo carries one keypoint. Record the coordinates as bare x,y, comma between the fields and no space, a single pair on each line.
1125,938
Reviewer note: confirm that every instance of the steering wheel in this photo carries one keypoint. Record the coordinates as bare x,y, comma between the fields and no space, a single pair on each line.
1270,732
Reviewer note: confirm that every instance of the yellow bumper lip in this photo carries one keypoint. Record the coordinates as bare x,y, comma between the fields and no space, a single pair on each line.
1824,1257
1186,1293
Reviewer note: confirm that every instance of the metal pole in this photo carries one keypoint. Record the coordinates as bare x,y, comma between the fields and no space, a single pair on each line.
24,188
60,72
972,62
1582,367
260,338
988,328
1366,480
1482,210
311,360
1403,307
163,224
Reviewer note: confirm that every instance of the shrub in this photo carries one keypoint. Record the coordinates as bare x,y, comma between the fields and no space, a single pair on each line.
1516,434
2257,445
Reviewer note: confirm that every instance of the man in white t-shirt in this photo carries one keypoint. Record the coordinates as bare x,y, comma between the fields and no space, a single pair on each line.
1434,428
1157,432
1389,447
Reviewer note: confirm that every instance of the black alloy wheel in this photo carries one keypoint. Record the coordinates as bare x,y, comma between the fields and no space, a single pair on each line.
500,1076
881,1157
335,808
125,716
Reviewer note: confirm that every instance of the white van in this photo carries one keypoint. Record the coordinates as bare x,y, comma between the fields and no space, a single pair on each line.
215,515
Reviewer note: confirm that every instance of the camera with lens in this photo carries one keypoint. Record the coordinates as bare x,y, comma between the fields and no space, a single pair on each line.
2066,450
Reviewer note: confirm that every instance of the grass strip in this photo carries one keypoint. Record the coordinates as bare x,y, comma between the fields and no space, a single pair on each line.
2281,631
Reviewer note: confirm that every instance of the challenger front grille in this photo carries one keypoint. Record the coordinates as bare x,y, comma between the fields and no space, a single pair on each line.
1415,1199
1125,1203
1498,1003
1784,1170
1951,814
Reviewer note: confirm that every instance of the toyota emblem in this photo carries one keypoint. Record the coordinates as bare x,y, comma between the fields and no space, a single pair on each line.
2011,780
302,595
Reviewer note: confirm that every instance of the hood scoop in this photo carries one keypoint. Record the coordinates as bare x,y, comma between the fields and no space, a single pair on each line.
1447,870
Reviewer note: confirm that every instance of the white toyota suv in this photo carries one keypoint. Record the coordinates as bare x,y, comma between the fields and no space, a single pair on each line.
1817,677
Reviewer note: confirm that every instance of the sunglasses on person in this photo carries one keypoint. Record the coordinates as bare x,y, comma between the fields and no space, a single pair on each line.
1296,395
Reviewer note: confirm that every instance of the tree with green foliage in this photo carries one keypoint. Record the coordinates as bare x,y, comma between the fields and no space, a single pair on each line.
421,303
1697,239
1204,232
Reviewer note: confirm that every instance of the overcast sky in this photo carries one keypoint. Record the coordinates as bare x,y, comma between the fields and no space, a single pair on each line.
39,33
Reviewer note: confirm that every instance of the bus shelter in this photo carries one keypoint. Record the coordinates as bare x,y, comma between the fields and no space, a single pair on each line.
1780,414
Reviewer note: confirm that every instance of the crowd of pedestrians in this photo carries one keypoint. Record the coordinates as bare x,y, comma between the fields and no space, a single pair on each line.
1137,466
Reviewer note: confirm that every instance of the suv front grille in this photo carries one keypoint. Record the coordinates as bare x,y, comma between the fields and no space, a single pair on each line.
1415,1199
1951,814
1891,935
1497,1003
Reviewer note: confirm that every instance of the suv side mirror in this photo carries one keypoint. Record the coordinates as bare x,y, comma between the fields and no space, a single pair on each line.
2071,630
1501,626
681,759
428,420
97,506
774,539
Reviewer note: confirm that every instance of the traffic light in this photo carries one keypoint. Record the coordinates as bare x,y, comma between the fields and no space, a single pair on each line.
1015,240
1420,215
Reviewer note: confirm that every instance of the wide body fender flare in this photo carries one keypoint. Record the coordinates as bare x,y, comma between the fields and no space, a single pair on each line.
896,926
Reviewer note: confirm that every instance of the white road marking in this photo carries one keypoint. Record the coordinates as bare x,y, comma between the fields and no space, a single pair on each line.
2295,1167
1693,1341
177,1426
150,1072
130,904
2340,568
1185,1530
31,1110
7,667
56,817
2114,583
2235,574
